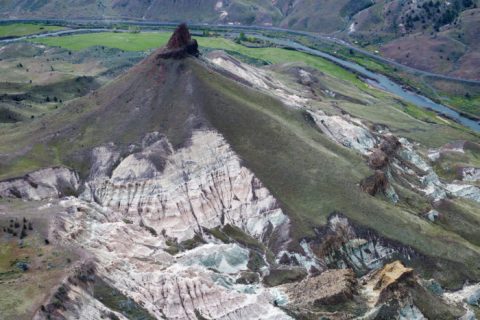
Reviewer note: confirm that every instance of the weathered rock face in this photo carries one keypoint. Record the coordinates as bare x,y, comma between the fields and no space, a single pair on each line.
341,246
470,174
180,44
390,144
396,292
134,261
469,294
133,209
257,78
386,279
180,192
329,288
41,184
347,131
466,191
386,291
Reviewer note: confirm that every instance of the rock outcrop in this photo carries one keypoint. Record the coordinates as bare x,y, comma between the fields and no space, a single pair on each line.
345,130
180,45
378,159
386,280
257,78
470,174
178,193
329,288
42,184
340,245
387,291
374,184
134,209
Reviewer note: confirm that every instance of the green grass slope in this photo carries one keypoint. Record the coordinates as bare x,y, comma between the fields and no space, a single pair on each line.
310,175
407,120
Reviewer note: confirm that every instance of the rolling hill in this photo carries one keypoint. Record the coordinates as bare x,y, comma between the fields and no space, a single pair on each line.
204,187
434,36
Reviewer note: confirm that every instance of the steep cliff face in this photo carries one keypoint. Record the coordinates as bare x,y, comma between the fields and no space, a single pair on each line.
130,219
178,193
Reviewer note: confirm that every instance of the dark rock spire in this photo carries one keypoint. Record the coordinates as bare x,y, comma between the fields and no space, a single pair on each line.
180,44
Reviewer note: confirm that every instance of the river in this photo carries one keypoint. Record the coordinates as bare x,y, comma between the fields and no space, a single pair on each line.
382,82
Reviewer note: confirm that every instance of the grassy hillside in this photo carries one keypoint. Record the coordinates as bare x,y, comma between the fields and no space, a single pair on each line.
309,174
146,41
202,11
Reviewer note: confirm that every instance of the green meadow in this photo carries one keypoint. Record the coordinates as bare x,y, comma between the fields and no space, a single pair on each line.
24,29
120,40
151,40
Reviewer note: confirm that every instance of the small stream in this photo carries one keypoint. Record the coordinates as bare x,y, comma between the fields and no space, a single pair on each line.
380,80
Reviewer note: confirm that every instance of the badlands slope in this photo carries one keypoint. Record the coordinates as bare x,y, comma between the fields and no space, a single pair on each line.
201,187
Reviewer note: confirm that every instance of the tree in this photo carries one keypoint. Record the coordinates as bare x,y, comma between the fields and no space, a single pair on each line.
242,37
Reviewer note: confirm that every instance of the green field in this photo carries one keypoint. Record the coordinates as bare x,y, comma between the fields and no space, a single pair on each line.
24,29
150,40
124,41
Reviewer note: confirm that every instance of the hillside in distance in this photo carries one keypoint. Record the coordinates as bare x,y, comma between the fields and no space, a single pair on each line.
430,35
201,186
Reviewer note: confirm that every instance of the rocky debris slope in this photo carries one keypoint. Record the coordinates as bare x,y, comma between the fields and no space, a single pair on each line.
394,160
346,130
469,296
42,184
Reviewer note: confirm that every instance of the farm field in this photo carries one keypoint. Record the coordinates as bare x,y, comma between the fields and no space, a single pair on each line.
24,29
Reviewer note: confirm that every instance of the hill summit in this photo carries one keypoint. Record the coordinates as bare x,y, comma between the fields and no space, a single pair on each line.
180,44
